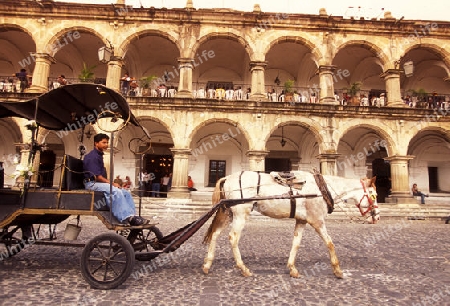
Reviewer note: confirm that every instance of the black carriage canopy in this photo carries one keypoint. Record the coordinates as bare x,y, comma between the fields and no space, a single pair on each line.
71,107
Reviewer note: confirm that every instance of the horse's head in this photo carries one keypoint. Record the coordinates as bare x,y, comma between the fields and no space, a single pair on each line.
368,203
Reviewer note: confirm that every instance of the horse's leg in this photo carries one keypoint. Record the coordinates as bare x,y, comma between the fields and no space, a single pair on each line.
320,228
220,221
298,232
211,250
240,214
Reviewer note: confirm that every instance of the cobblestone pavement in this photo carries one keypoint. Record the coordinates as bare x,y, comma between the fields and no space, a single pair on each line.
395,262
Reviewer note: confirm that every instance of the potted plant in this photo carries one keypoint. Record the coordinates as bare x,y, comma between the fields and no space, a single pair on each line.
288,90
145,82
353,91
87,74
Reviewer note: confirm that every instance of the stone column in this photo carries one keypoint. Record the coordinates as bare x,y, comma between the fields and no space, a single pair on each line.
114,74
295,164
326,84
400,189
41,72
180,173
185,85
258,86
328,163
256,160
392,79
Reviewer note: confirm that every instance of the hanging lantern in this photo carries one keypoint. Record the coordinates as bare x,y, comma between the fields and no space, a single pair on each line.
408,67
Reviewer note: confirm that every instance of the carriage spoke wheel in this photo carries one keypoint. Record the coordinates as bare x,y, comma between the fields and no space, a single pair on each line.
10,244
142,240
107,261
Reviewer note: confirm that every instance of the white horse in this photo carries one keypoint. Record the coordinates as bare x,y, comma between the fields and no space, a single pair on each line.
275,202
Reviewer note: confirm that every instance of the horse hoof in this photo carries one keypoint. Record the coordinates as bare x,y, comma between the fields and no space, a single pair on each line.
339,274
205,270
246,273
294,274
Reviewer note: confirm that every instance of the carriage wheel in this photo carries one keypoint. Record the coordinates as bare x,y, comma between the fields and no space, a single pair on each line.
142,239
11,243
107,261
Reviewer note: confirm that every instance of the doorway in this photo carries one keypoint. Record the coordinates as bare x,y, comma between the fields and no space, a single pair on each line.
277,164
382,170
433,179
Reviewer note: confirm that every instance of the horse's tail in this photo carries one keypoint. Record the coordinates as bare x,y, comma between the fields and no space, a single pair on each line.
222,216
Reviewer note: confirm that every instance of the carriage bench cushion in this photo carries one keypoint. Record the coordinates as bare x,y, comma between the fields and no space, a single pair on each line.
73,173
73,179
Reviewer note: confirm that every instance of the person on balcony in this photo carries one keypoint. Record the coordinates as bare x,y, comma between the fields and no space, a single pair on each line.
23,78
125,84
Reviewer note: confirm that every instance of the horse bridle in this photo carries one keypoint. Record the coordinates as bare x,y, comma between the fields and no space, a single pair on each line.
370,198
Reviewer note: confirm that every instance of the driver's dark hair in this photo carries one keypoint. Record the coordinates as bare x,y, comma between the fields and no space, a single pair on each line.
100,137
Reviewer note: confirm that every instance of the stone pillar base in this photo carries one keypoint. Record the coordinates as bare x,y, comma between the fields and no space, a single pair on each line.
36,89
259,97
179,193
184,94
329,100
398,104
397,199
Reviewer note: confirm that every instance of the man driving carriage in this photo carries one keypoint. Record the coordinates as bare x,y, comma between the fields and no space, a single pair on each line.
123,207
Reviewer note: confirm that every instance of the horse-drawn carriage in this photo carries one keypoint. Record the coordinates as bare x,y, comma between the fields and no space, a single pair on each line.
108,259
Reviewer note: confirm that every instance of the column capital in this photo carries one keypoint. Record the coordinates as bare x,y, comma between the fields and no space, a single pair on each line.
391,73
185,60
180,151
257,153
399,158
327,68
258,65
44,56
329,156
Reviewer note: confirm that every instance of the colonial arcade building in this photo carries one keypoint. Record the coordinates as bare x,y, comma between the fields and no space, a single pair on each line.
243,90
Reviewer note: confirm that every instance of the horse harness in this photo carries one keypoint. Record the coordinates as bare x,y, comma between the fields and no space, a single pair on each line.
292,199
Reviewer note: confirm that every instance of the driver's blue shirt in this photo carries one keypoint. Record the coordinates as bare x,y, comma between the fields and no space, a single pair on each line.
93,164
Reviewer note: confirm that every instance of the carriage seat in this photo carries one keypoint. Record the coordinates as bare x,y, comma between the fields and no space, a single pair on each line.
287,179
73,173
73,178
286,175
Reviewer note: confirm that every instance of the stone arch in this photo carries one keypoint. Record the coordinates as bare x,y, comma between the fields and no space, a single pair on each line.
391,146
148,32
441,52
157,120
11,26
439,131
236,124
298,40
366,45
55,38
311,126
226,35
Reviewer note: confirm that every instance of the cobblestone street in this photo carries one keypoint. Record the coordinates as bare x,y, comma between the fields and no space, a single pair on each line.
395,262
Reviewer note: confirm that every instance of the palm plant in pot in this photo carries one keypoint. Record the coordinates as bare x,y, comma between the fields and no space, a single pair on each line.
145,82
87,73
289,91
353,91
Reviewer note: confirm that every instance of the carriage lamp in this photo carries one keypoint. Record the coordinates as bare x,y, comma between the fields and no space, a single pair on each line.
408,67
105,54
